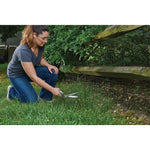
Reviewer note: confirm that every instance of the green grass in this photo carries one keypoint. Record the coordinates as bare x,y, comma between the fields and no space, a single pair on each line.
90,108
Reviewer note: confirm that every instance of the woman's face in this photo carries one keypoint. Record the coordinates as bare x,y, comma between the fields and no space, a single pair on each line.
41,39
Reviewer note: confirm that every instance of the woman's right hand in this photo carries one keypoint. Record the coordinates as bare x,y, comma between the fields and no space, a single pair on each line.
56,92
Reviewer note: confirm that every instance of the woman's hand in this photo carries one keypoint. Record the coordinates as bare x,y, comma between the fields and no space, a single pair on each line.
56,92
46,64
50,67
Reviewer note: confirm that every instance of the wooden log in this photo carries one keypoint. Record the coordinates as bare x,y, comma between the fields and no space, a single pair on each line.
116,30
142,73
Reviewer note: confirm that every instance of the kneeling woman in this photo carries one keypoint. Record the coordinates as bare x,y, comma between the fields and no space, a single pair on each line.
24,67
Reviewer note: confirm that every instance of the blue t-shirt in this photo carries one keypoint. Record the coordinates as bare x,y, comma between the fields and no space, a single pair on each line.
23,53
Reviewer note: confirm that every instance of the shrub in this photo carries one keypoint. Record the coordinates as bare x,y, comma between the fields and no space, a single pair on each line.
67,46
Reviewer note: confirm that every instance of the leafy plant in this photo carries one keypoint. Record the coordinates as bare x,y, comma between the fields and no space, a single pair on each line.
67,45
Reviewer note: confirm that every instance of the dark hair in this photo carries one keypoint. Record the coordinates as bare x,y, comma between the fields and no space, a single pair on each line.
38,29
27,37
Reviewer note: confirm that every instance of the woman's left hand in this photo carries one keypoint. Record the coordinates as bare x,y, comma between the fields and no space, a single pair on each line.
54,68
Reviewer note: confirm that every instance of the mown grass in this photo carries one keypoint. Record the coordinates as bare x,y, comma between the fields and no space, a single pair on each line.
90,108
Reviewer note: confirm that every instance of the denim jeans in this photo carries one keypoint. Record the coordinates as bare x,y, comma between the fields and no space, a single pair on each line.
23,90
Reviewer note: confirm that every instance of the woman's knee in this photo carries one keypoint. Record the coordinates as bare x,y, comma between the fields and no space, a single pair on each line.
51,74
44,73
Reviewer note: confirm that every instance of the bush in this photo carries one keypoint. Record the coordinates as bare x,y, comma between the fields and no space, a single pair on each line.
67,46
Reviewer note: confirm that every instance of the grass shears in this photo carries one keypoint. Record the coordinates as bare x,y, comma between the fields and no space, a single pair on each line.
72,95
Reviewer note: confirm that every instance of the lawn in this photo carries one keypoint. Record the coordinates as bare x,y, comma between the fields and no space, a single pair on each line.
90,108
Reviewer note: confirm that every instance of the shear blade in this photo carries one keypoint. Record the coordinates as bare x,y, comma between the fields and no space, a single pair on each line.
72,96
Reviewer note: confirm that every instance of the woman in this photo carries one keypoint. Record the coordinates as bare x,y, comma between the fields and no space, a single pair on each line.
24,68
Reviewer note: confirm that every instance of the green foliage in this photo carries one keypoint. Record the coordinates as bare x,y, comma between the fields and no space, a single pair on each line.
131,49
67,45
8,31
71,45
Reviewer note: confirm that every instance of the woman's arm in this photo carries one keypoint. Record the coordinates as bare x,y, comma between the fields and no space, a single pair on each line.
50,67
30,71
